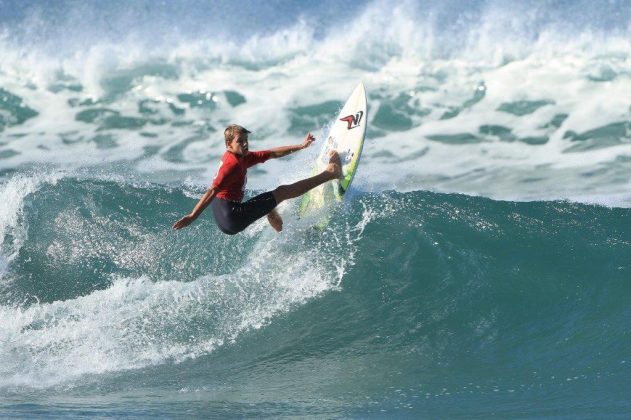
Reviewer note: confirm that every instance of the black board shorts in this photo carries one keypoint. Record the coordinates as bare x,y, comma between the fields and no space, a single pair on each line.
233,216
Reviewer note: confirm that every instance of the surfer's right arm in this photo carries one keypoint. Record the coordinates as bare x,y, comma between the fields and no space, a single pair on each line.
285,150
203,202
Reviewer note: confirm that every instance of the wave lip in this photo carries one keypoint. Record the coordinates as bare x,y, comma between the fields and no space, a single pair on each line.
13,224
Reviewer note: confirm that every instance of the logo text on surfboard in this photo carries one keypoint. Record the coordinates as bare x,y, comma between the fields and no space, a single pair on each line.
353,120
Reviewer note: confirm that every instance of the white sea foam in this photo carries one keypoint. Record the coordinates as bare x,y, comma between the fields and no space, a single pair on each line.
136,323
415,63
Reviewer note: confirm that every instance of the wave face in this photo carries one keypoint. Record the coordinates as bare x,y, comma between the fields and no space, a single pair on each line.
411,302
478,268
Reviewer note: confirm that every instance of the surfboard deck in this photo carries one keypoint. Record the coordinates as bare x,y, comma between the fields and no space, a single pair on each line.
346,136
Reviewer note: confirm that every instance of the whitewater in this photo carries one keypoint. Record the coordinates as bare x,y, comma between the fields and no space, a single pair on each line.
479,266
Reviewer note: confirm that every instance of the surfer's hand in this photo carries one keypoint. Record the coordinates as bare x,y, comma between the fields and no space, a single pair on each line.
183,222
307,141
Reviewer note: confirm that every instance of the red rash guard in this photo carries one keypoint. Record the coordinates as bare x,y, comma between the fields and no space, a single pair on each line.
231,177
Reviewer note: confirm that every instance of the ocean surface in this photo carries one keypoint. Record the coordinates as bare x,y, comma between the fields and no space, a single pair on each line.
480,266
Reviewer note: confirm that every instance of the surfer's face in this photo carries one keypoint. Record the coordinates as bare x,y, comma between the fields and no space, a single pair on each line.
239,144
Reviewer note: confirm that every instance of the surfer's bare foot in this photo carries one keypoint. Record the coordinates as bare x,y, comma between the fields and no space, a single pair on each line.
335,165
275,220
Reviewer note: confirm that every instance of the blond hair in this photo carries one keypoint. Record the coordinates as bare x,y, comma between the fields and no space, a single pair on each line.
234,130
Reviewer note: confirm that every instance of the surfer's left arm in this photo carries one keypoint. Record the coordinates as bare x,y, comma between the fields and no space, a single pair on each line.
285,150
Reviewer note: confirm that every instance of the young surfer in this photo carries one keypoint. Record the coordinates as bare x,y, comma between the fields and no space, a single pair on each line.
226,192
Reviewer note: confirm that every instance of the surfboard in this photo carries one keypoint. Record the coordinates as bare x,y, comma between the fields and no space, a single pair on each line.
346,136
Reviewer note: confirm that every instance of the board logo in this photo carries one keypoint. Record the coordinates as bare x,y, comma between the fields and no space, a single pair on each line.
353,120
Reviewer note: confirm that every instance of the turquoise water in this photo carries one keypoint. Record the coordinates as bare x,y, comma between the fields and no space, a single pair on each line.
474,308
478,268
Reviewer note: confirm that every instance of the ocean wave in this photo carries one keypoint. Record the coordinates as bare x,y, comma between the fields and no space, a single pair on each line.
415,301
102,285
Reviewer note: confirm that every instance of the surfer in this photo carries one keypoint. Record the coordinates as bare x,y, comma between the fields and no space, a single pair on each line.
226,191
